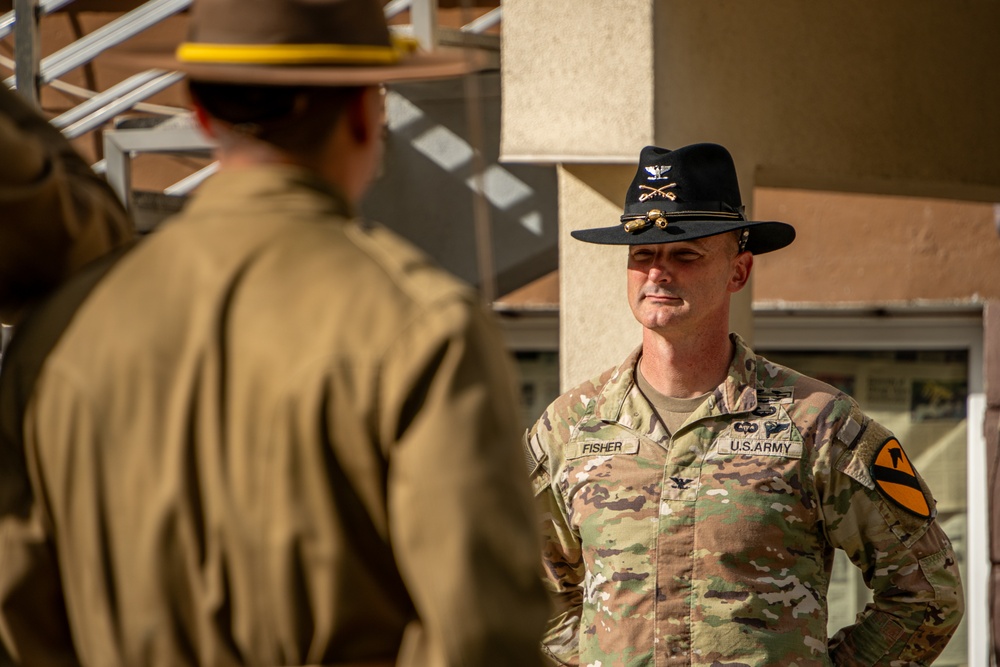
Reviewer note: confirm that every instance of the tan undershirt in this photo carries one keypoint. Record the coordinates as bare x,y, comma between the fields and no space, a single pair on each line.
672,411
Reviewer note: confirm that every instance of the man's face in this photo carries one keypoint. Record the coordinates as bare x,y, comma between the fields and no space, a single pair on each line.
685,286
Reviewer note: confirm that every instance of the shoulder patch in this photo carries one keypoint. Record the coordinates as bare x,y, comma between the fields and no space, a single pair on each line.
907,504
896,478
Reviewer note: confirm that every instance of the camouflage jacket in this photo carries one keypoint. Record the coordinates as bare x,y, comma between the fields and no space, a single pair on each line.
715,546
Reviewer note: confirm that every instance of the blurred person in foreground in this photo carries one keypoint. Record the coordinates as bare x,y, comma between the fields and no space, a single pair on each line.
56,218
273,434
692,498
56,214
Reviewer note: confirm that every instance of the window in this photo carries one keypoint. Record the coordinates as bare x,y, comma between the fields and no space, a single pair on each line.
539,383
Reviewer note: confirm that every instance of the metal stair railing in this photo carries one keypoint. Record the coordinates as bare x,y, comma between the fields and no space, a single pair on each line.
484,22
101,107
394,7
44,7
118,99
89,47
425,29
178,135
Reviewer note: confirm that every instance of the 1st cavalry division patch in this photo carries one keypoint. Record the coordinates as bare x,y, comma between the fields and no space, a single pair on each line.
897,480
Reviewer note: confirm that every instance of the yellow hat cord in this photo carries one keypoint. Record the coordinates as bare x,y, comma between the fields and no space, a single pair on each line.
296,54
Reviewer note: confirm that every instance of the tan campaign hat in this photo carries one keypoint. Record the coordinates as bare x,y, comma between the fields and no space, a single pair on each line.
297,43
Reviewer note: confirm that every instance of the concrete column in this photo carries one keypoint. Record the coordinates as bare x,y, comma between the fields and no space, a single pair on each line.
597,328
578,91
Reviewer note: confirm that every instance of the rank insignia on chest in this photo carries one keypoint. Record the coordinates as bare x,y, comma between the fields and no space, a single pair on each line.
897,480
680,485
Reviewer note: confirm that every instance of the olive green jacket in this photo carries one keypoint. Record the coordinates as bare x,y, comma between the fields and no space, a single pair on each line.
274,435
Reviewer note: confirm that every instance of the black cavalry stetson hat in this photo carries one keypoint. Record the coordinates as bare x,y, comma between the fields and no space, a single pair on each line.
686,194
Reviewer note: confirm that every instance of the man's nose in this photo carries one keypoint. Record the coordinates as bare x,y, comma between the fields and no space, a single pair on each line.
659,272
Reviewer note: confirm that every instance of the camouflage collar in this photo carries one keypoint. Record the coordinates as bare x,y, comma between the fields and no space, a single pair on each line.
610,402
738,393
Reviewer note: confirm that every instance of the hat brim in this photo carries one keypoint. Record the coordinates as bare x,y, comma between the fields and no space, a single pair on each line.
765,236
439,64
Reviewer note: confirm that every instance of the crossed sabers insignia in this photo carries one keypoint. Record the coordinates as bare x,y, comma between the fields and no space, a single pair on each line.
661,191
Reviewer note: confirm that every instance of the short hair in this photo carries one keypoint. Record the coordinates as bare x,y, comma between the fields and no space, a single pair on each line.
296,119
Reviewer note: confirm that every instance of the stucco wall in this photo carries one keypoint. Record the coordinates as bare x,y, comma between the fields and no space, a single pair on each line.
576,80
871,249
596,326
893,96
896,97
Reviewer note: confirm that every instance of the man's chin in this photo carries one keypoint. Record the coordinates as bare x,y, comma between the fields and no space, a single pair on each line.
660,321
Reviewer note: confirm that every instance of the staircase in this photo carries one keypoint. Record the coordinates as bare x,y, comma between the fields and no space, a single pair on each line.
442,152
491,224
163,129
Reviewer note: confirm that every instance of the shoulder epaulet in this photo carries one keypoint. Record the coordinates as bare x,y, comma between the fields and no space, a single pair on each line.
852,428
533,452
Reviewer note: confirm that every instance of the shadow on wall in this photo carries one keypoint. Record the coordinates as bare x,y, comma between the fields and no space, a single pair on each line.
426,192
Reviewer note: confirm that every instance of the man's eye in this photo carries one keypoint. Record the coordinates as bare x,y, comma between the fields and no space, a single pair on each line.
687,256
641,255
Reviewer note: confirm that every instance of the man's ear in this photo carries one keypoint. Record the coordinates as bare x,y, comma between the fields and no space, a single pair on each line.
742,265
204,120
364,114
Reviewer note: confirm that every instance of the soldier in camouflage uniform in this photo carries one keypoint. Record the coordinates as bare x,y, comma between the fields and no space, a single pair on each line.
692,497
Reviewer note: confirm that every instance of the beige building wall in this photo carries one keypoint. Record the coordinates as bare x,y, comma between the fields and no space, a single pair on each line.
895,97
857,249
576,80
